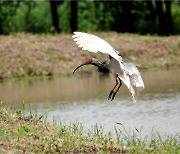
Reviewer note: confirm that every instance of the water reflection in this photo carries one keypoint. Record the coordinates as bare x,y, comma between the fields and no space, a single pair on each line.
83,97
85,87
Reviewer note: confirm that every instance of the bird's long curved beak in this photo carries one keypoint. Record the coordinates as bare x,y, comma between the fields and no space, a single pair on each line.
79,67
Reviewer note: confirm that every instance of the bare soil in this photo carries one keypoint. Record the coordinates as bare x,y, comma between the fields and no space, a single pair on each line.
44,55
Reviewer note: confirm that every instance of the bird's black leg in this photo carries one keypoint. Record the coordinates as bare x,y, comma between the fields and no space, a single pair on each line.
114,94
112,91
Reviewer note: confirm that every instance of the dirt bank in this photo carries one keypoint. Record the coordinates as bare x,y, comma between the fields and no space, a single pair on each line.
43,55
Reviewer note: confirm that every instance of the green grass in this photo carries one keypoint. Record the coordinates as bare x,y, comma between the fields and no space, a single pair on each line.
31,133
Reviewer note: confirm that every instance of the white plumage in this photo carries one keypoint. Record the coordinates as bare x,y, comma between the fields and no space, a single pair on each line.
136,82
94,44
127,72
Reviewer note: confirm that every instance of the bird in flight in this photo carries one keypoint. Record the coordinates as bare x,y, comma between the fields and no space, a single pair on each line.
121,71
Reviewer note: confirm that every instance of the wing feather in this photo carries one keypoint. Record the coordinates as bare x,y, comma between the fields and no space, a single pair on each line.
131,75
94,44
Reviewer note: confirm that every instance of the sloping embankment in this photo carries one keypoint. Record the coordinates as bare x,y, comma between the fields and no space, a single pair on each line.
43,55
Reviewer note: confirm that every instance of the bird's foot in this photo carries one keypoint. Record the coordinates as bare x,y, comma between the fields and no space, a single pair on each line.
111,95
114,94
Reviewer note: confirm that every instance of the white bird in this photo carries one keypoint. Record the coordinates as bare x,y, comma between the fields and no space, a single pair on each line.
126,72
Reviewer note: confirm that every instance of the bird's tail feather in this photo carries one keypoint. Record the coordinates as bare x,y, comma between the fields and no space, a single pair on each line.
135,94
136,85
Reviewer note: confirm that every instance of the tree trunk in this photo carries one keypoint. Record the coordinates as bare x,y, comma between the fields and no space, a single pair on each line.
54,13
27,15
151,9
73,16
1,31
169,23
126,17
161,17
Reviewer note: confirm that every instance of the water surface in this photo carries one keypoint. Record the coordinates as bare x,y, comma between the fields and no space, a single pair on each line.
83,98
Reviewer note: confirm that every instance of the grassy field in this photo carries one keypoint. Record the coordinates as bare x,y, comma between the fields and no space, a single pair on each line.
25,55
32,134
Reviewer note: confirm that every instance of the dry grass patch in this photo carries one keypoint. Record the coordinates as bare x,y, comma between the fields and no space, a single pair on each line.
44,55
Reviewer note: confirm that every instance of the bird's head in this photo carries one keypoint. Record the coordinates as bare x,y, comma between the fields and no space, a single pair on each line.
92,61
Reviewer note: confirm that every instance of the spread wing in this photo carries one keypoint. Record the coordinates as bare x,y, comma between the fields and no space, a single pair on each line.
131,76
136,82
95,44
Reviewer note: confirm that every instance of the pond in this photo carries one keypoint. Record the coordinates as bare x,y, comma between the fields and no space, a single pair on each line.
83,98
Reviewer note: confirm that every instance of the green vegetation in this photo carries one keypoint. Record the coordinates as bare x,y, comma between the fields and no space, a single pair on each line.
24,55
20,132
133,16
27,55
